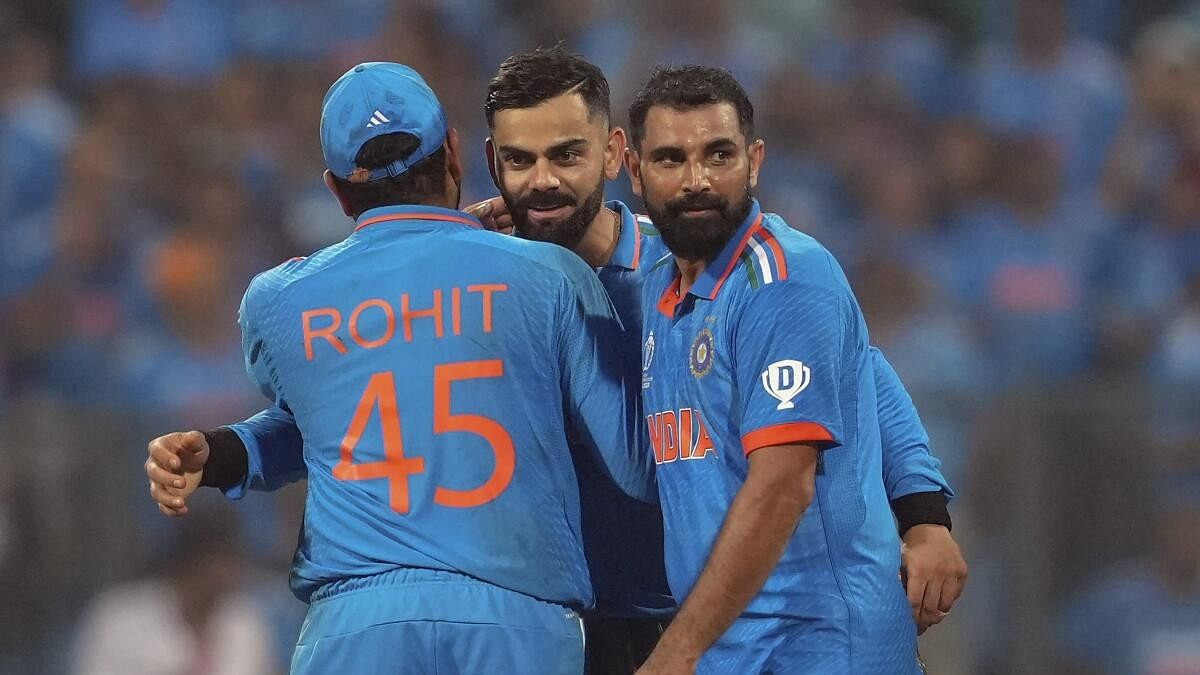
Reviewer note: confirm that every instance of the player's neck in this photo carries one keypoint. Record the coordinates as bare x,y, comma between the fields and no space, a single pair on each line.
689,271
600,239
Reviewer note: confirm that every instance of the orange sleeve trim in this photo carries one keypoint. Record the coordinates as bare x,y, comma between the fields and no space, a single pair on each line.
785,434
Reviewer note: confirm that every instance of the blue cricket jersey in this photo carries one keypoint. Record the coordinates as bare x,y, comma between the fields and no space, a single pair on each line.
622,536
769,347
435,372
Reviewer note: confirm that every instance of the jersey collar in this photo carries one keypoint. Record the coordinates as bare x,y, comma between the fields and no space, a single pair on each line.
384,214
628,251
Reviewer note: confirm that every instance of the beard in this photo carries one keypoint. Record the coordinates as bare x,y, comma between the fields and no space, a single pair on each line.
567,232
699,237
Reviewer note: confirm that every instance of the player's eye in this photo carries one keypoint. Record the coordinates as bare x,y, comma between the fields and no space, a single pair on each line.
568,157
721,156
517,161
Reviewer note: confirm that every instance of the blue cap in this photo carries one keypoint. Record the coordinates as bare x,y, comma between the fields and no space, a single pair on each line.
374,99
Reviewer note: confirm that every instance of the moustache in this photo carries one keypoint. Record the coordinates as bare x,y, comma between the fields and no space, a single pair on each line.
545,200
697,201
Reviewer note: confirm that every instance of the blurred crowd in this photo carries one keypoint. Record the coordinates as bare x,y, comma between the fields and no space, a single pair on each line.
1013,187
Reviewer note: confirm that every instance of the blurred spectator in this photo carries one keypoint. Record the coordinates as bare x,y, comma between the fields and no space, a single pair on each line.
37,126
1148,269
1028,265
195,618
169,40
304,30
879,40
1142,617
798,116
963,164
709,32
1161,128
185,369
1050,83
62,328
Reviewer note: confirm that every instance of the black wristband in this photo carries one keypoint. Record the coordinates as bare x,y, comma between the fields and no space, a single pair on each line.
227,462
921,508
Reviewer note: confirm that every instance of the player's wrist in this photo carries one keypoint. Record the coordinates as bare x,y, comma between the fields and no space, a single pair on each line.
921,508
228,460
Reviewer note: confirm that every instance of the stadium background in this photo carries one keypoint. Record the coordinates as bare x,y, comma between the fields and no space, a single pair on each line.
1015,197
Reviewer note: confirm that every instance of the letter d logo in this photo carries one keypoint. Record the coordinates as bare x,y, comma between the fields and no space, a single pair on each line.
783,380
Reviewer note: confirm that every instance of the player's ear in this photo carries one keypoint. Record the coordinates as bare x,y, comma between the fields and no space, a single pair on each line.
489,149
614,153
453,158
333,187
758,154
634,167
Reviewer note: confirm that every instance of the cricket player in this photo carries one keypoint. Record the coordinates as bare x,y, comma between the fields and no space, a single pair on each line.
761,401
440,376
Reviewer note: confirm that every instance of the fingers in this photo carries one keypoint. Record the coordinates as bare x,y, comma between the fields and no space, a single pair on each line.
164,451
491,213
930,614
915,588
952,589
168,503
161,476
480,210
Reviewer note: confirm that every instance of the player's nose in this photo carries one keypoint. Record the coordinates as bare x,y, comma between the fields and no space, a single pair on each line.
695,178
543,176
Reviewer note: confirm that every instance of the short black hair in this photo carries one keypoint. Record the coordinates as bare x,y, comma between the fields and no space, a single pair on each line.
423,182
686,88
527,79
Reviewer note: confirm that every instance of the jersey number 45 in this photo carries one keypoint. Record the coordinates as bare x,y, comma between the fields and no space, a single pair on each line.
396,468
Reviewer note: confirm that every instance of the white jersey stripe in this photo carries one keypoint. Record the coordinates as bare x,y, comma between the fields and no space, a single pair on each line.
761,254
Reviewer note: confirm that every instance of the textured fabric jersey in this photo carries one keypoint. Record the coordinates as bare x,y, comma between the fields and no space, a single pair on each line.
435,371
622,536
767,348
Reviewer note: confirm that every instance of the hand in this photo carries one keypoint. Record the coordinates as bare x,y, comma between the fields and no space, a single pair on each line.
666,661
494,215
175,465
933,571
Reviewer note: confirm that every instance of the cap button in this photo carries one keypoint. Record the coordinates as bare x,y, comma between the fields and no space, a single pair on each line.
359,68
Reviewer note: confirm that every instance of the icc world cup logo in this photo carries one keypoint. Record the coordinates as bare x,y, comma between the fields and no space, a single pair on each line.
783,380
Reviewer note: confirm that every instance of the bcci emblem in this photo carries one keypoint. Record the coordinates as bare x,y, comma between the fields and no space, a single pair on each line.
784,380
701,358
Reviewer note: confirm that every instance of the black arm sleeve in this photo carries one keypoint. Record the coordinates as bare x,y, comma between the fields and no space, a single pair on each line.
227,459
921,508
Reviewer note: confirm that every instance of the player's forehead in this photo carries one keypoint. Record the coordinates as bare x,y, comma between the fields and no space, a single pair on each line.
691,128
549,124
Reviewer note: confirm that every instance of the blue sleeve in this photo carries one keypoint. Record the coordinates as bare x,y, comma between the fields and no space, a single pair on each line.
274,447
602,399
253,348
908,465
274,451
789,345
